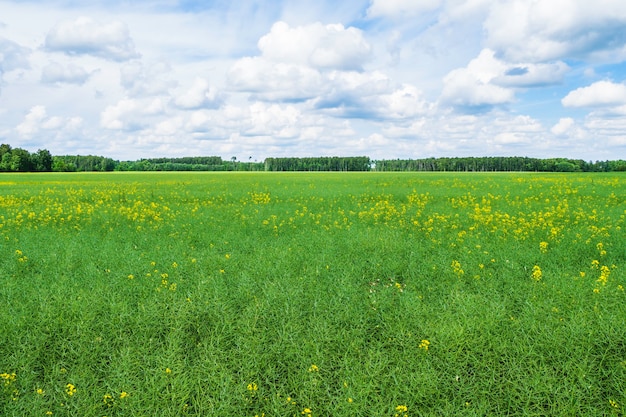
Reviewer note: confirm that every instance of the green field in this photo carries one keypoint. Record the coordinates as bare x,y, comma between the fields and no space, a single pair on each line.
299,294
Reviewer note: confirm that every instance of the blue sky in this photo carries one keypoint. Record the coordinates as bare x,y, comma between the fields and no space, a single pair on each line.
382,78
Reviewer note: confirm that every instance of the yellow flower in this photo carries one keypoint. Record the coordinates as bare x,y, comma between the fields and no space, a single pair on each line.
168,371
174,265
253,387
456,267
543,247
424,344
40,391
537,274
227,256
124,394
350,400
314,368
131,276
307,412
70,389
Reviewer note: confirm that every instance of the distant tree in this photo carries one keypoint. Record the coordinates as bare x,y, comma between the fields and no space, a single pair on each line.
20,160
42,160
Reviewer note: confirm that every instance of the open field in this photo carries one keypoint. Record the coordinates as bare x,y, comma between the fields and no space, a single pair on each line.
328,294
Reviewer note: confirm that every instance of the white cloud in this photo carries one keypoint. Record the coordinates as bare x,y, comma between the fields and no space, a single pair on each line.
12,56
400,8
55,73
601,93
85,36
564,125
471,86
275,81
140,79
200,95
532,75
536,31
488,81
131,114
319,46
32,121
37,119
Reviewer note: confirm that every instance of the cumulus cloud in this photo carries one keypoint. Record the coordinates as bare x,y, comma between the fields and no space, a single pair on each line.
131,114
200,95
536,31
316,45
528,75
37,119
275,81
563,126
397,8
601,93
85,36
370,95
471,86
488,81
55,73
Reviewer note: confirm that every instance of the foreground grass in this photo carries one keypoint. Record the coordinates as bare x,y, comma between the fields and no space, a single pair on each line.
312,294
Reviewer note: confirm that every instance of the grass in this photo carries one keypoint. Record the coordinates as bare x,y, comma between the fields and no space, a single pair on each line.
369,294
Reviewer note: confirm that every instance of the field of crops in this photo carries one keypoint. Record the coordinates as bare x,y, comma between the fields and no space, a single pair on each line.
299,294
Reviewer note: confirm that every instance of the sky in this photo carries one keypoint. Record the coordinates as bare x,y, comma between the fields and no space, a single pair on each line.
273,78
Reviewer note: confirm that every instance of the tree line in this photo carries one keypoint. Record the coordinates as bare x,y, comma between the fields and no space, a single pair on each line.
20,160
333,163
496,163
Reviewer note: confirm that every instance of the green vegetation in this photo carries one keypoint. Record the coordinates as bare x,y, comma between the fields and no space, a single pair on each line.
20,160
326,294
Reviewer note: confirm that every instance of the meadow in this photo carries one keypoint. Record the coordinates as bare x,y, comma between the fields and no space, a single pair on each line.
312,294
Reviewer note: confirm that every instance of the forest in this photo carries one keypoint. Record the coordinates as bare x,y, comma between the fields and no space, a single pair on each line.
21,160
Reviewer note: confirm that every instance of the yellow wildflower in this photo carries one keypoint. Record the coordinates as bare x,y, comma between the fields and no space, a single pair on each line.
252,387
543,247
124,394
314,368
537,274
70,389
424,344
402,410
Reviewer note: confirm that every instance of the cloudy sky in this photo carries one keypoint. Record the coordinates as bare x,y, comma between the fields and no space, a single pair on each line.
261,78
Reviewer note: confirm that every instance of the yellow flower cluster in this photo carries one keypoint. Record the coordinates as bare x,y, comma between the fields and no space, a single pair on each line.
8,379
537,274
401,411
456,268
424,344
70,389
